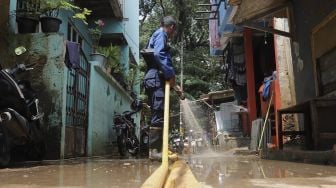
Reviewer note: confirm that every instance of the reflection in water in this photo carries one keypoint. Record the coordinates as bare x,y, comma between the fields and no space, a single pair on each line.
85,173
230,170
211,170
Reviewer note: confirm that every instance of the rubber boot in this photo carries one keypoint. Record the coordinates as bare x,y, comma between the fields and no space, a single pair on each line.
155,143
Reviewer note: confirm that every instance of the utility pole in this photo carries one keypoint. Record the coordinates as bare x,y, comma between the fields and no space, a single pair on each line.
181,85
181,81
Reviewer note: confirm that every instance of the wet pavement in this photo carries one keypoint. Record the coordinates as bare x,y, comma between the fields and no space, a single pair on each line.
79,173
215,170
211,169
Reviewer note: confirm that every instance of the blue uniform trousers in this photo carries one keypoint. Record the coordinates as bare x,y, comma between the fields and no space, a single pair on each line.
154,87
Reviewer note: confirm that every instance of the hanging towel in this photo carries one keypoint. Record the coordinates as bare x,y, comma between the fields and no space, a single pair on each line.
72,55
266,89
267,85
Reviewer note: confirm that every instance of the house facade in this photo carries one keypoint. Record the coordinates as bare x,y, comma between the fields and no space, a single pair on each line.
289,43
79,103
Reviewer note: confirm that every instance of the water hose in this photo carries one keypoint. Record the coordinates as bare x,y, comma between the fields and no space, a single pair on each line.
158,178
180,172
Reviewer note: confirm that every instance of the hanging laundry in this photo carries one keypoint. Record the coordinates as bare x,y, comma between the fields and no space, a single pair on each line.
267,85
72,59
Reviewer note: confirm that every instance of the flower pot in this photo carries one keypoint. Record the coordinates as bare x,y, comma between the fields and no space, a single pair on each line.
50,24
100,58
26,25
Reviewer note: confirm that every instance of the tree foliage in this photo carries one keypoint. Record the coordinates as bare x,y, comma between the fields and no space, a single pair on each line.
202,73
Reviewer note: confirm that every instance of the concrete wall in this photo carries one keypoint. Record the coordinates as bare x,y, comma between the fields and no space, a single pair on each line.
307,14
48,78
124,58
5,37
4,11
106,95
106,98
283,57
131,33
131,26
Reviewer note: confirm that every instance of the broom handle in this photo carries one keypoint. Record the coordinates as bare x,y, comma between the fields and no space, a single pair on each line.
266,118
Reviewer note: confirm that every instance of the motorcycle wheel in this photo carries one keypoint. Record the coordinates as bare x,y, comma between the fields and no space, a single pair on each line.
144,142
5,150
133,148
122,148
180,147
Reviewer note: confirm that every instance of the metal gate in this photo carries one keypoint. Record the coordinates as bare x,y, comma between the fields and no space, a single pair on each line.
77,101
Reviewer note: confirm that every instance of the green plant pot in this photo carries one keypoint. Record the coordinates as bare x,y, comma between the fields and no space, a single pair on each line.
26,25
100,58
50,24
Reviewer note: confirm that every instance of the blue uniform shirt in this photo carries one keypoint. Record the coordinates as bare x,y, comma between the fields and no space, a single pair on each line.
162,55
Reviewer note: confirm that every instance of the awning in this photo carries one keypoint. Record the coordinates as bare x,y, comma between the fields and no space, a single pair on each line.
251,14
218,97
252,9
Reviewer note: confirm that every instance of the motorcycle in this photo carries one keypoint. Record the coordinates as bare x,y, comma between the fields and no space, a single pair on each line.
20,126
176,141
127,141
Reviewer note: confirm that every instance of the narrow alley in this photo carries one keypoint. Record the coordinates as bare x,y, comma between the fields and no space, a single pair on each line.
167,93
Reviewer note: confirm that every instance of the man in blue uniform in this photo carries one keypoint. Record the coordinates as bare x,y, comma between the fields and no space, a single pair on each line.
159,70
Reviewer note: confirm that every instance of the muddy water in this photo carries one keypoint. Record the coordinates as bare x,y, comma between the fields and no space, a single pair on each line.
212,170
79,173
234,171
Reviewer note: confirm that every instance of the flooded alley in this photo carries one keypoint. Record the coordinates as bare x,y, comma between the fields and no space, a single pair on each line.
167,94
210,169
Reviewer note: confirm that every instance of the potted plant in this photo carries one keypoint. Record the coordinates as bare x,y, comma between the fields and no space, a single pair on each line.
95,33
112,55
112,64
27,14
51,8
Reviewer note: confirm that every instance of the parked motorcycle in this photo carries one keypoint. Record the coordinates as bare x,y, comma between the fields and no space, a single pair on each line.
176,141
20,127
127,141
